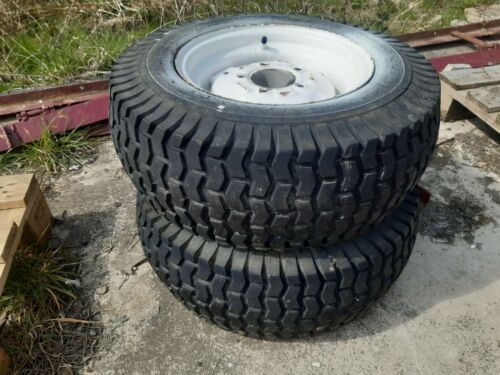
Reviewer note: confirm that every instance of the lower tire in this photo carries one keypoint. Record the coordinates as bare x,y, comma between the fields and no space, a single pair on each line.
273,293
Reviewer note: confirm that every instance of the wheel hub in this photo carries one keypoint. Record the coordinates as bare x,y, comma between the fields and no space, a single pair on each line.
272,82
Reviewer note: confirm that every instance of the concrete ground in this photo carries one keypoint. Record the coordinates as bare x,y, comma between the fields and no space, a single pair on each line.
441,317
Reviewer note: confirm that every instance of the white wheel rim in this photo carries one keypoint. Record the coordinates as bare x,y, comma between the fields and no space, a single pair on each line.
274,64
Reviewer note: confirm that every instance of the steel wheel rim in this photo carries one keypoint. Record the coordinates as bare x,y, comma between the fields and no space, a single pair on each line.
275,64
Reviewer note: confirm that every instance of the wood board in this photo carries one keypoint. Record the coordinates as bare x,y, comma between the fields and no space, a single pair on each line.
15,190
472,78
480,98
487,97
24,216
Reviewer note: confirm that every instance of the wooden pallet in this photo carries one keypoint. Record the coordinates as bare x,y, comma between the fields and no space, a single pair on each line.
475,91
24,217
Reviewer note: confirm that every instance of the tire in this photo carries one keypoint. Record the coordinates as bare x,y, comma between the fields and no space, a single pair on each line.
278,294
263,176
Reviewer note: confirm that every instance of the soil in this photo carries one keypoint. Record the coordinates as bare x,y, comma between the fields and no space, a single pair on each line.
457,217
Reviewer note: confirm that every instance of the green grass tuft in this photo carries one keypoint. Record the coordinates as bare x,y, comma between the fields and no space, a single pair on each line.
39,57
35,289
50,155
34,297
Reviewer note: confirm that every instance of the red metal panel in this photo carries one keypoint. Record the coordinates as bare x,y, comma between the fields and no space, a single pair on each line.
27,100
476,59
5,143
57,121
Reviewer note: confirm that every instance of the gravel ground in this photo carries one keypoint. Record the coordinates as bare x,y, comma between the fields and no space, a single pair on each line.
441,316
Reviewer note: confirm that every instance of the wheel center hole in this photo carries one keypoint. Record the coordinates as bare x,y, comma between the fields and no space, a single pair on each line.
273,78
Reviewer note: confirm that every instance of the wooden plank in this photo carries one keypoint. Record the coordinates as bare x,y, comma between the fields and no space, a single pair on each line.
472,78
15,190
11,223
4,272
487,97
8,243
460,96
31,217
39,219
14,218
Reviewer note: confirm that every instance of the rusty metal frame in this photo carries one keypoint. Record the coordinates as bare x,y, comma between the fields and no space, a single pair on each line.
478,43
27,100
449,34
28,129
24,115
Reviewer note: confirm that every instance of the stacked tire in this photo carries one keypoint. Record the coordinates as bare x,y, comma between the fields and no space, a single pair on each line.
276,160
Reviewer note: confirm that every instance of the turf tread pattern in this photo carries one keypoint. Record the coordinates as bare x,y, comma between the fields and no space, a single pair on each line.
274,293
251,185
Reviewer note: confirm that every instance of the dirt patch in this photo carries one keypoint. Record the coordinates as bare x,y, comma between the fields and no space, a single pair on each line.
472,150
443,222
492,192
461,177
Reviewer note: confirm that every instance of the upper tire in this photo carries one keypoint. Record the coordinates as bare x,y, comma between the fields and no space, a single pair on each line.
273,176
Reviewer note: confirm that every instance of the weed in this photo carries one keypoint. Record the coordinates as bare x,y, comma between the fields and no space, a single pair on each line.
50,154
34,58
36,310
36,286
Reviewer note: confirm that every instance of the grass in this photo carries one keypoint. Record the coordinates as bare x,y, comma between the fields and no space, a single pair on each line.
49,57
55,41
50,155
36,286
40,316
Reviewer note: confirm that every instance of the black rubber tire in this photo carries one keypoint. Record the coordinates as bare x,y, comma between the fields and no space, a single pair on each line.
272,181
273,293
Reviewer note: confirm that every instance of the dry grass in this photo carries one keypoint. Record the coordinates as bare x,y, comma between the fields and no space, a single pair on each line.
53,41
51,155
44,326
390,15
